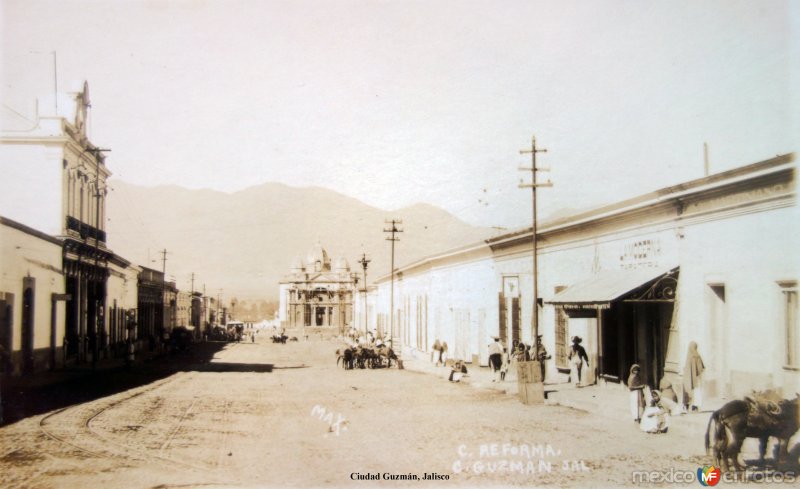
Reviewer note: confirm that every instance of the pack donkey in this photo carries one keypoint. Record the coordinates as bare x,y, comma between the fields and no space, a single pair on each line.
751,418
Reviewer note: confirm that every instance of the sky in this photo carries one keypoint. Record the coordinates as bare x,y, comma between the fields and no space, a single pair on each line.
398,102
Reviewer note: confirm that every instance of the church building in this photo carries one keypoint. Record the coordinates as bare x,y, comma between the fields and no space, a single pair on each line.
317,295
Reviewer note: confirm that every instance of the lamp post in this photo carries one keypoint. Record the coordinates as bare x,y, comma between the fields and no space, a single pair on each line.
364,263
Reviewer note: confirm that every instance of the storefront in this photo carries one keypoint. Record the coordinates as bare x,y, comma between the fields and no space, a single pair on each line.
625,318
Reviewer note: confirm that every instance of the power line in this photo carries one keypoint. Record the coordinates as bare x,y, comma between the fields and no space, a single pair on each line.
533,185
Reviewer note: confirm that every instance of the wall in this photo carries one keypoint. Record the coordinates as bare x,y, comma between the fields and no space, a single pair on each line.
37,169
26,253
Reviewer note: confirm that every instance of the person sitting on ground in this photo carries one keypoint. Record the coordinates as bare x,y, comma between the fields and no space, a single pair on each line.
655,418
669,398
458,371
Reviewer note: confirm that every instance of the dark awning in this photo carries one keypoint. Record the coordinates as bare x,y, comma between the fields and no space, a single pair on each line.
599,291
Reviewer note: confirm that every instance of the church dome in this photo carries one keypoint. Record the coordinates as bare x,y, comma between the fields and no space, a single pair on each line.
341,265
317,259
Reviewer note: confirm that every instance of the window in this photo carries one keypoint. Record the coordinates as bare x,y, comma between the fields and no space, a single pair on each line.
789,291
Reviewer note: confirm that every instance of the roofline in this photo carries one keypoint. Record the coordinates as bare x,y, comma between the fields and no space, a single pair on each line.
430,259
673,191
29,230
772,165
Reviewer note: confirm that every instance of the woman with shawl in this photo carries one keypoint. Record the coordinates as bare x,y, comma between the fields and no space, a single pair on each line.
637,392
693,379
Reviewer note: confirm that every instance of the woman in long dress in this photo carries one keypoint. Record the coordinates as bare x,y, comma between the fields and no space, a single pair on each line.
636,387
693,379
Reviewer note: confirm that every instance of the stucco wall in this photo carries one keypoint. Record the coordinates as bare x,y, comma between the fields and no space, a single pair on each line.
26,255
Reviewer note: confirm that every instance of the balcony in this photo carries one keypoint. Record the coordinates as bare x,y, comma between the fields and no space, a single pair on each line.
84,230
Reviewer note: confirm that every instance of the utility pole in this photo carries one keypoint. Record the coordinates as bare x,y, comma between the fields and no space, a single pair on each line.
364,262
393,231
219,304
163,291
191,307
98,325
533,185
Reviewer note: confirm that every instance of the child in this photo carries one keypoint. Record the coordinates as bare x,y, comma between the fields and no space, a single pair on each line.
504,366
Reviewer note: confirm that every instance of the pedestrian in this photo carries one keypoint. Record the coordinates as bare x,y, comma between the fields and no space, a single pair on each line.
655,418
436,356
693,379
505,366
636,388
495,357
444,353
521,354
577,358
541,355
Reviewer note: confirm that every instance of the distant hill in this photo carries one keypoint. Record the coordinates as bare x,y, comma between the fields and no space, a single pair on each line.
244,242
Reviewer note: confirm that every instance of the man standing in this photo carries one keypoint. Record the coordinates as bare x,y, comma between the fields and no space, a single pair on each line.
495,357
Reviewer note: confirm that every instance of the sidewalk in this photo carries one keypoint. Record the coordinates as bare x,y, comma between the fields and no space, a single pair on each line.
610,401
478,377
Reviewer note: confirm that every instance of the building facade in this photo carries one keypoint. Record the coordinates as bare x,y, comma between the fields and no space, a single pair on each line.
316,294
64,175
31,299
710,261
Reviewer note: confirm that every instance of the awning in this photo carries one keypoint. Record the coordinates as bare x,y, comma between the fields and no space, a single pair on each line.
599,291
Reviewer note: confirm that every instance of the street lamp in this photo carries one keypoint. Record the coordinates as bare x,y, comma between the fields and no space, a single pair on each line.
364,263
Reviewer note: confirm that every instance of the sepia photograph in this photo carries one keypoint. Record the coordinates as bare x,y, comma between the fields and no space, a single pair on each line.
399,243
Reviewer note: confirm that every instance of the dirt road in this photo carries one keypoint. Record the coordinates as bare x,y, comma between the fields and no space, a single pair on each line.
265,415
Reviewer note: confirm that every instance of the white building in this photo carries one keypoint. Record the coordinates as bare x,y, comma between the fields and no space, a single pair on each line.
55,181
712,260
31,298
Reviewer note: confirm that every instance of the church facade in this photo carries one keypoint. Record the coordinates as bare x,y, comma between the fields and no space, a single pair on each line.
317,293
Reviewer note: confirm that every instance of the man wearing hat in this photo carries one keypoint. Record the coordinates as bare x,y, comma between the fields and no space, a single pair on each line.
577,357
495,356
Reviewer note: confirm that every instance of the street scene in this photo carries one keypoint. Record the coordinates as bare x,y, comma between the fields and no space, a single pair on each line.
263,414
363,243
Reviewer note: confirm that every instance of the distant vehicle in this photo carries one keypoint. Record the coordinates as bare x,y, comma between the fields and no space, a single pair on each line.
235,330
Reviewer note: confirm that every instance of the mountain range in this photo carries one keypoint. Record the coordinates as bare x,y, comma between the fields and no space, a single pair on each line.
244,242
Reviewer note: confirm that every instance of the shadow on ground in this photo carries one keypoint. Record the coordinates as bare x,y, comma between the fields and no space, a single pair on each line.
23,397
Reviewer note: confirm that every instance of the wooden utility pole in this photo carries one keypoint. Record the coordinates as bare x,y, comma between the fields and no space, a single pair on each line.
163,291
393,231
533,185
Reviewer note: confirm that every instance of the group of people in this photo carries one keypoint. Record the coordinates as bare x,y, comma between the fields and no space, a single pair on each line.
500,358
653,415
372,339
